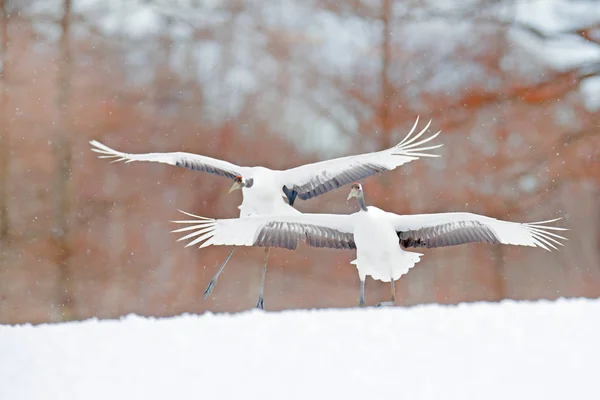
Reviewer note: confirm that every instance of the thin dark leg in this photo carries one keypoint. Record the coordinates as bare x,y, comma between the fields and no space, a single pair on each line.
260,304
213,281
362,293
392,300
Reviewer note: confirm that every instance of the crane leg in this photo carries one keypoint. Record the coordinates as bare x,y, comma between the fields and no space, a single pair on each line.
392,300
213,281
362,293
260,304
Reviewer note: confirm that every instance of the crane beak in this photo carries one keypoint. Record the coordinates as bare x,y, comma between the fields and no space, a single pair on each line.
236,185
351,194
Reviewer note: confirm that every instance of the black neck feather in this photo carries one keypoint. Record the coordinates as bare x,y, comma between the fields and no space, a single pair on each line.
360,197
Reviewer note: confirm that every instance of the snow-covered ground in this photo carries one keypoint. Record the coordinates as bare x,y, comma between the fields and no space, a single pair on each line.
512,350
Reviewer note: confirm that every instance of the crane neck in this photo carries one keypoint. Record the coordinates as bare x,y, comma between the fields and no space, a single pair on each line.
360,197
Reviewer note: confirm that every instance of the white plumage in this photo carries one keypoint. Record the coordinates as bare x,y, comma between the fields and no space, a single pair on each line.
379,237
378,253
263,189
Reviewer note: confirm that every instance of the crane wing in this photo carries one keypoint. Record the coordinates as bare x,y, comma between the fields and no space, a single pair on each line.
316,230
450,229
311,180
187,160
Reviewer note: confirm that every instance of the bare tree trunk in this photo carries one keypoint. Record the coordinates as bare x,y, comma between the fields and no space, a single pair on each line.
387,91
162,78
498,251
62,181
500,272
4,133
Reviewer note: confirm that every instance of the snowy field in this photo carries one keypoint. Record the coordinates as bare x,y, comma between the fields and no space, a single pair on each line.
512,350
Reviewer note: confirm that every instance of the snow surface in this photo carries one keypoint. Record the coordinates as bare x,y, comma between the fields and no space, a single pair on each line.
509,350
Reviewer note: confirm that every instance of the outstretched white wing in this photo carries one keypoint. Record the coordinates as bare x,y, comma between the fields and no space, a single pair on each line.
285,231
187,160
310,180
449,229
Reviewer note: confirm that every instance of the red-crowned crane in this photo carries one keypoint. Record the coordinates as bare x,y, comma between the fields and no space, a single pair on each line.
380,237
263,189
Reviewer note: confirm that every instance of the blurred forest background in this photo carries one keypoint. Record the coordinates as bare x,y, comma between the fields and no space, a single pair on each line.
514,85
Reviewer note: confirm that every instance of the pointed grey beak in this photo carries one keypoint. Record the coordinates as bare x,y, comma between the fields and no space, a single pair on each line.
236,185
351,194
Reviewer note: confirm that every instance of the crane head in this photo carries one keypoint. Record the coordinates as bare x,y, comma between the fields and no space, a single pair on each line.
239,183
355,189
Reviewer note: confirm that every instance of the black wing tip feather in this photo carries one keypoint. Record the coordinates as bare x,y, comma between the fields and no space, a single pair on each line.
449,234
291,195
456,233
410,147
203,167
357,173
288,235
